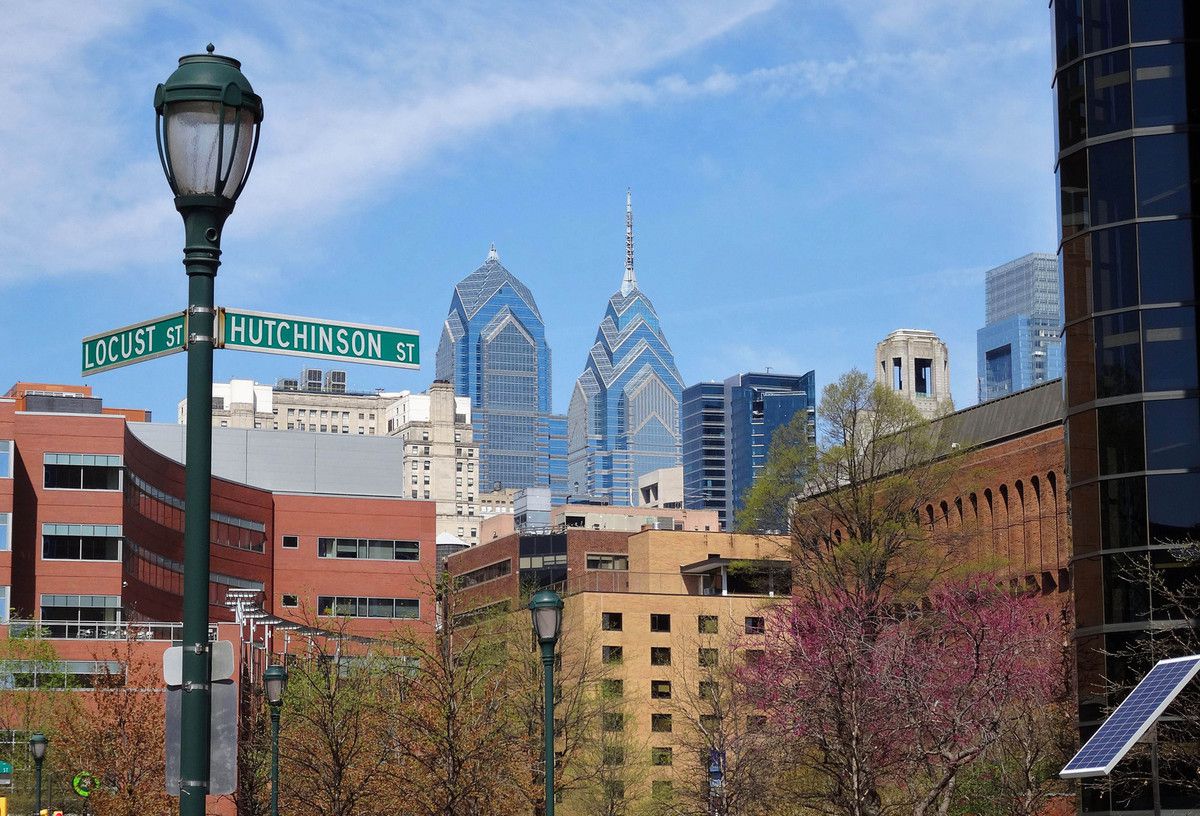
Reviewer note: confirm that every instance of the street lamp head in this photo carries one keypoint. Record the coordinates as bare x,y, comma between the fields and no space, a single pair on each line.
547,607
37,746
275,682
208,121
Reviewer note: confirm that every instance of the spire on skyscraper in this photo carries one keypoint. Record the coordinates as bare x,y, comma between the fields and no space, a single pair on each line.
629,282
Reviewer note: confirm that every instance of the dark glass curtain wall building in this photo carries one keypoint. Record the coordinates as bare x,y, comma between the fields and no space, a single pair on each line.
1128,100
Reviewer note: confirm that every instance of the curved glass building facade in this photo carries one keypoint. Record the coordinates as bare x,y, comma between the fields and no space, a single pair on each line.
1127,85
493,349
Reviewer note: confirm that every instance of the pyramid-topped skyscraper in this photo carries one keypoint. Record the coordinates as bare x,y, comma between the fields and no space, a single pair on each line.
623,420
493,349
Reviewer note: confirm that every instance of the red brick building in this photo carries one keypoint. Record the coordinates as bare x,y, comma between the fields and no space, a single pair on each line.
91,533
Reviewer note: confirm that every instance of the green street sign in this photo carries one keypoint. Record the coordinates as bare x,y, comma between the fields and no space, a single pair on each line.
133,344
314,337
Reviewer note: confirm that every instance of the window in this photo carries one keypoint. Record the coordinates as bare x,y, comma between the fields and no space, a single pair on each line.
291,542
660,655
289,601
708,658
613,755
613,722
707,624
611,654
755,626
660,756
81,542
3,604
352,607
607,562
710,723
754,657
660,623
610,621
370,548
660,723
5,532
6,457
488,573
710,690
660,689
82,471
756,723
612,688
661,789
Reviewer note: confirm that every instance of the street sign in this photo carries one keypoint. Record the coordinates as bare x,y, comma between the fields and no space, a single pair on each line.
5,773
133,344
315,337
222,756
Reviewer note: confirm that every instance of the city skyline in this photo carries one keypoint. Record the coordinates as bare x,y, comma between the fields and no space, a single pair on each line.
743,133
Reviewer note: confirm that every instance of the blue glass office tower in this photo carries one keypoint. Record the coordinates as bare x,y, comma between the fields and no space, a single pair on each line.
493,349
704,448
623,419
755,406
1021,344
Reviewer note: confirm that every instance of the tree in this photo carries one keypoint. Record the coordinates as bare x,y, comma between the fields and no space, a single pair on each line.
119,733
457,746
333,748
856,494
882,707
716,717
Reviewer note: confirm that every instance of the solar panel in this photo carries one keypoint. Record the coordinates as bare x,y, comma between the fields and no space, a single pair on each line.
1133,717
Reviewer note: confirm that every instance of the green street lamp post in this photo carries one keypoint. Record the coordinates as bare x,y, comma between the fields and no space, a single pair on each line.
37,747
546,607
207,126
275,682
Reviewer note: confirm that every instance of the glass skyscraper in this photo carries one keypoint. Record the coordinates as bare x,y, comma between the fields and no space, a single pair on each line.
493,349
1020,345
704,448
623,419
755,406
1128,157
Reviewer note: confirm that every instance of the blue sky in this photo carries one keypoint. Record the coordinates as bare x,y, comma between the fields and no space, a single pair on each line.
807,176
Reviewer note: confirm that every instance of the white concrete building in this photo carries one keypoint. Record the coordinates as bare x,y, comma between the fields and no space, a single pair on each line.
916,364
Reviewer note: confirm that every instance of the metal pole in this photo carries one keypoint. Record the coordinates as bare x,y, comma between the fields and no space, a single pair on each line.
37,786
274,760
548,667
1154,790
201,257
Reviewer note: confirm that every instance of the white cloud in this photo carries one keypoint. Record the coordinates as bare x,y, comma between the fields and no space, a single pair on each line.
354,98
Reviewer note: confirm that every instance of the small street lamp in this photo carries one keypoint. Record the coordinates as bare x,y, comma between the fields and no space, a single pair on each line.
546,607
37,747
207,127
275,682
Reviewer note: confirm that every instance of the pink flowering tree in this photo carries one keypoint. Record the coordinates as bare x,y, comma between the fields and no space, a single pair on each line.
882,707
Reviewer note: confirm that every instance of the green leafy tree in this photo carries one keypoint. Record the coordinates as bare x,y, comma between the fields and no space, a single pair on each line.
856,494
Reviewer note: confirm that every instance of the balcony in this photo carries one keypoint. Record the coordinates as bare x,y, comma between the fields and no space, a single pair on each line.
143,631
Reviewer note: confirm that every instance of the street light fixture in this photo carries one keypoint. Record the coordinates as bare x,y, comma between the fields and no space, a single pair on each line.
275,683
546,607
37,747
207,127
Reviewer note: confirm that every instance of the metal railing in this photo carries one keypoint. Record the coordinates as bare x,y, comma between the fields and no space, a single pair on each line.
100,630
649,583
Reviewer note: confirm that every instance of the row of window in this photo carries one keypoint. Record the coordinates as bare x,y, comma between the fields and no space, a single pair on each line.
81,542
539,561
705,624
79,471
370,548
358,607
487,573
